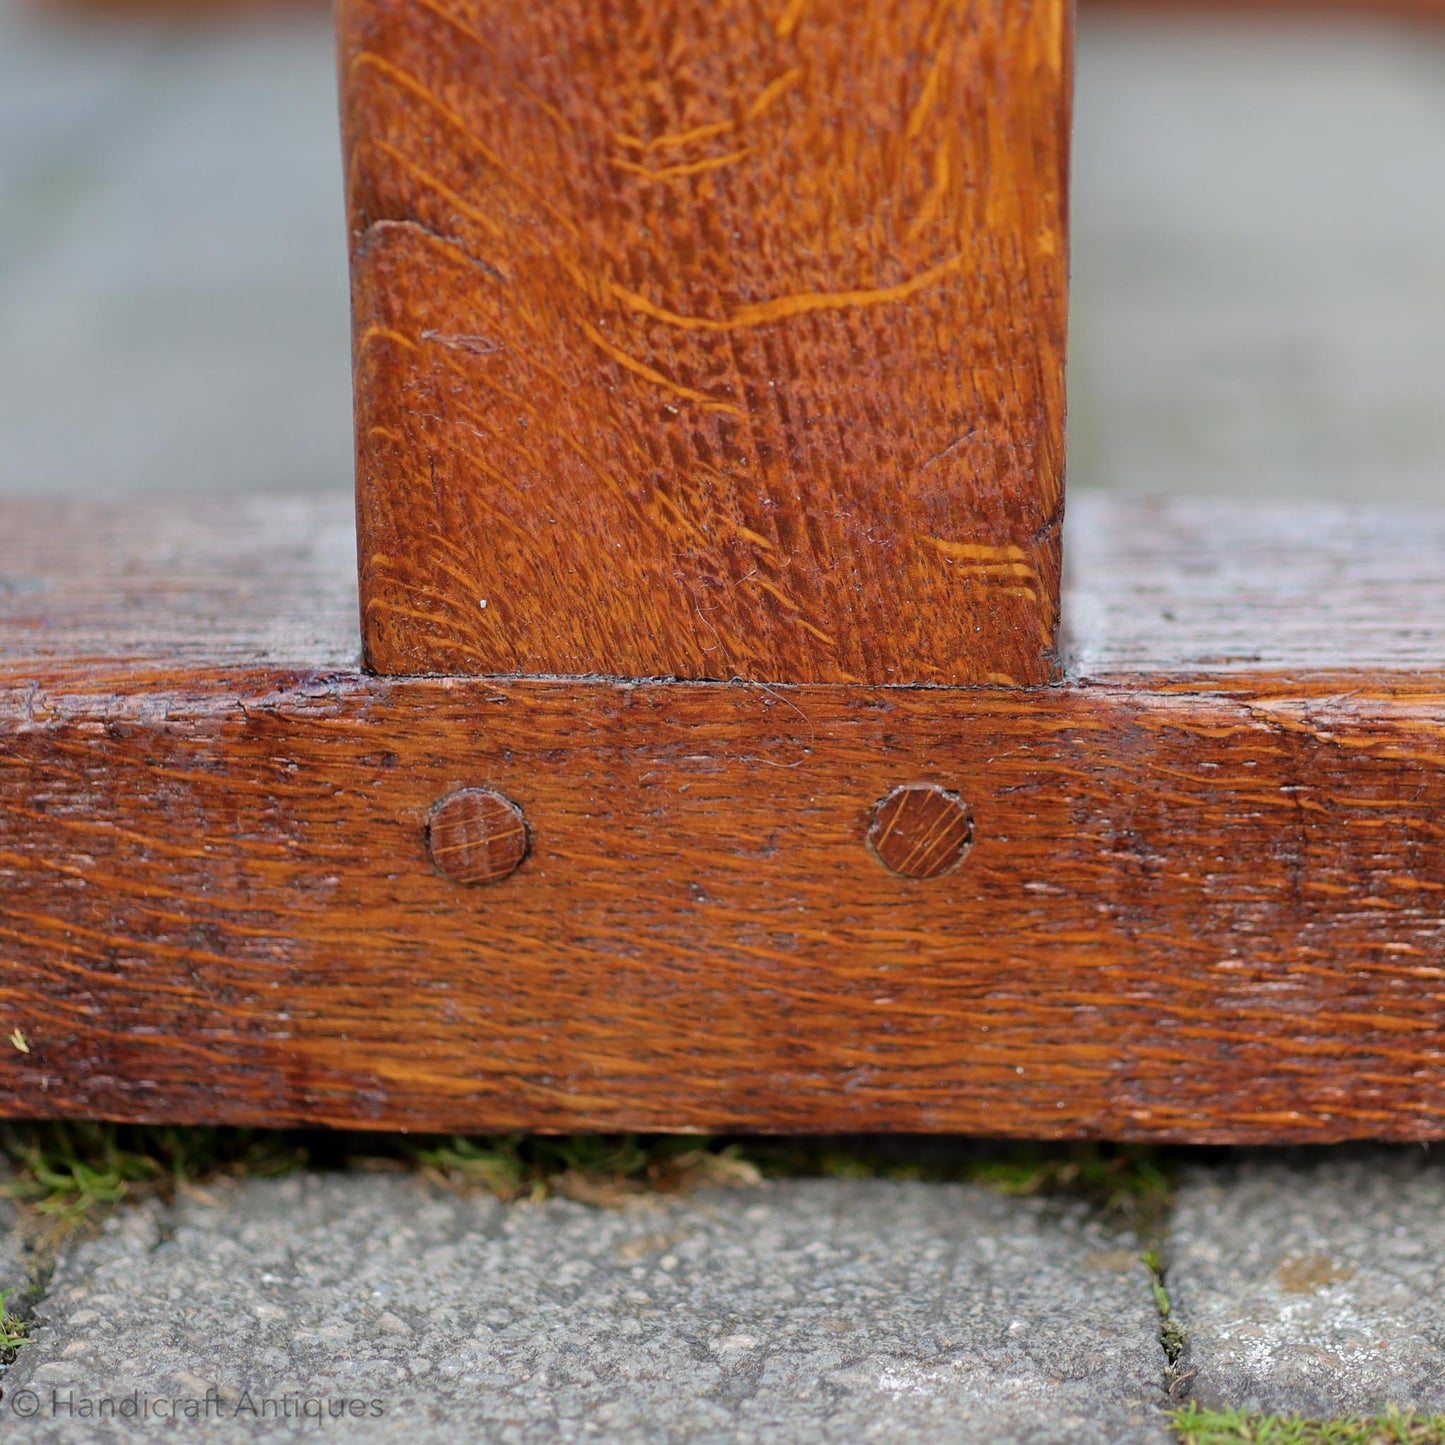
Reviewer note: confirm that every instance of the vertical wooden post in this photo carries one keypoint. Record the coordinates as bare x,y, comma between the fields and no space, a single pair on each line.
710,338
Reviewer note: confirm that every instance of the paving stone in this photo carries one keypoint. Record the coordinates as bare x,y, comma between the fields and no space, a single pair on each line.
1314,1282
802,1311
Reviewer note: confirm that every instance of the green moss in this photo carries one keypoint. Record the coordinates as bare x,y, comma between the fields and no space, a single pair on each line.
12,1329
1172,1332
595,1168
65,1171
1197,1426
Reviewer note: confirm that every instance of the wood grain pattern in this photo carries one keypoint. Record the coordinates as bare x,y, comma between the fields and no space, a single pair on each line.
920,830
1203,899
1152,587
1186,914
160,584
709,340
1204,588
475,835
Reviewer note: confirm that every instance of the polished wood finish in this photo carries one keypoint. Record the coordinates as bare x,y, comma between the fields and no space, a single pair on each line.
714,354
1186,914
1202,901
708,339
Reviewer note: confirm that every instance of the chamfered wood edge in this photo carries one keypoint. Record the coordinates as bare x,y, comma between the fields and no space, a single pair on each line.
1194,910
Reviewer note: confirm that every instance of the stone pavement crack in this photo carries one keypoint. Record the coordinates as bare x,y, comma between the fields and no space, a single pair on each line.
1172,1330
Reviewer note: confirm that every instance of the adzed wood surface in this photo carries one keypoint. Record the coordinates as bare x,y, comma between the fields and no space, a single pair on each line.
709,338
